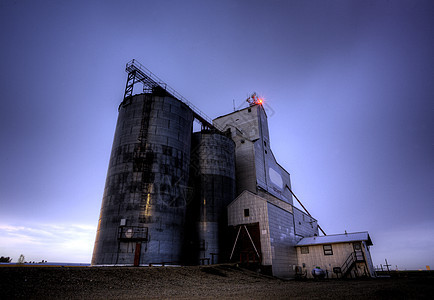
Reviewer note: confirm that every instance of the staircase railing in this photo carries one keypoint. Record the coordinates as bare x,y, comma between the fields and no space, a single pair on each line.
150,80
346,267
356,256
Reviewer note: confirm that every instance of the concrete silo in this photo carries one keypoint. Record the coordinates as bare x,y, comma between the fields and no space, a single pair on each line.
143,209
212,177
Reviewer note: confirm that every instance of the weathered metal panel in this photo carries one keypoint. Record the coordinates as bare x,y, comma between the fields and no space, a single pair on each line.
146,182
257,207
213,181
282,240
305,225
256,165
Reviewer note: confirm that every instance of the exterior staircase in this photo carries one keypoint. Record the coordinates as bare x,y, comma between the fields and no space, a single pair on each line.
350,262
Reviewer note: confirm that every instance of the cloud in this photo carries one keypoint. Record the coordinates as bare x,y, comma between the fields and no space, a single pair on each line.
52,242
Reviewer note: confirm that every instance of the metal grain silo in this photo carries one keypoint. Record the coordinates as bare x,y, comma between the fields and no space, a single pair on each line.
213,180
144,203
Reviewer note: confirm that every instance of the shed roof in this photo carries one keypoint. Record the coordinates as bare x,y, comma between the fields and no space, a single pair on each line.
336,238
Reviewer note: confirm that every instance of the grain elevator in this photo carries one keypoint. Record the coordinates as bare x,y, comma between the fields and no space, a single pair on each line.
174,197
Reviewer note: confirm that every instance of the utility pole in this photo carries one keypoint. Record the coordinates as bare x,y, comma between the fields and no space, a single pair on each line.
387,265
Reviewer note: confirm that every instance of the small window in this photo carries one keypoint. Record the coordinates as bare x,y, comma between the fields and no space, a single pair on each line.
249,110
265,151
357,246
305,250
202,245
246,212
265,143
328,250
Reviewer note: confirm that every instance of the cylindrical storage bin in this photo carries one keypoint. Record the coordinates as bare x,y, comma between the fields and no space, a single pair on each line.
213,181
144,204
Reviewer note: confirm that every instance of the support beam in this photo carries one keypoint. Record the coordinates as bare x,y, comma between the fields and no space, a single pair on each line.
304,208
233,248
257,253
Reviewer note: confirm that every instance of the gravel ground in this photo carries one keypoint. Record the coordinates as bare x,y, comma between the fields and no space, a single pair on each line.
217,281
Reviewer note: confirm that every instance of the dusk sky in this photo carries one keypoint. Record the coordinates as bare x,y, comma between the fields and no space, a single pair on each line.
348,85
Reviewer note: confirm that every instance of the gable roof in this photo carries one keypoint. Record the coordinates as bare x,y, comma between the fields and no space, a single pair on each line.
336,238
246,193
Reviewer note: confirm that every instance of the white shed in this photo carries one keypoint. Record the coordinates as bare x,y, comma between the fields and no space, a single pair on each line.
339,255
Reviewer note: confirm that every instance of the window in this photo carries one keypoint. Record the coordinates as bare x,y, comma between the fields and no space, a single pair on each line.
328,249
357,246
305,250
249,110
202,245
246,212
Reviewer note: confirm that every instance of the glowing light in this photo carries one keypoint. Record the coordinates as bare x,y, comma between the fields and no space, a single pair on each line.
254,99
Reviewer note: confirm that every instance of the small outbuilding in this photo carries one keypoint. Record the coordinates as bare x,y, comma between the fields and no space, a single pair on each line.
339,255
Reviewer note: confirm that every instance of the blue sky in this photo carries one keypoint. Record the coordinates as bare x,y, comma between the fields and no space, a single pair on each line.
348,85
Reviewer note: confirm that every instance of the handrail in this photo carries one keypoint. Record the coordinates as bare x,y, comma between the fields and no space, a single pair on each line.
348,262
351,260
135,65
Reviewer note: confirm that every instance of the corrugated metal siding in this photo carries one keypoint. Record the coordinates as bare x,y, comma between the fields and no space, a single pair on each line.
305,225
258,213
282,241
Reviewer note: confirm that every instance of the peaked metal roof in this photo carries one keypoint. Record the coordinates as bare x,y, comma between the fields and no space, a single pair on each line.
336,238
